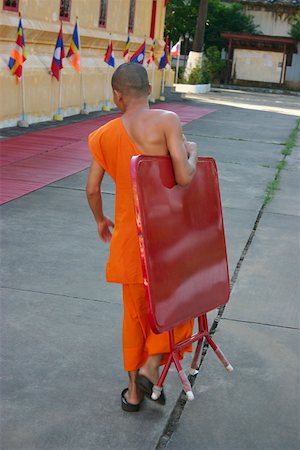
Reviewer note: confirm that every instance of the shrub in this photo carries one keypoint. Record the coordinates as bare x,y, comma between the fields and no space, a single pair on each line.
213,63
210,70
198,76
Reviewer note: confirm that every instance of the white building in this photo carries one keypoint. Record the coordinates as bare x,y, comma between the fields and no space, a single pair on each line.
272,57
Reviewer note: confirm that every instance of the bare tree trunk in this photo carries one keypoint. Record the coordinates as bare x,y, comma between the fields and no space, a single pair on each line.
200,27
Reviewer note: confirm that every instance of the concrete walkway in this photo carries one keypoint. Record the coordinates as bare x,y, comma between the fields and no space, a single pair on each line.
61,323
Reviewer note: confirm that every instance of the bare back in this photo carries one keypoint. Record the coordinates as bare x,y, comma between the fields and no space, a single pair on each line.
157,133
147,128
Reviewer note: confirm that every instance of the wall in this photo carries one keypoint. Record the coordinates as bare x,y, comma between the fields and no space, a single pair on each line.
293,73
255,65
270,22
40,20
275,23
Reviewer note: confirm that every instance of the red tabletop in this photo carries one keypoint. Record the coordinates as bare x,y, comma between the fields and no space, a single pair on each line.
182,241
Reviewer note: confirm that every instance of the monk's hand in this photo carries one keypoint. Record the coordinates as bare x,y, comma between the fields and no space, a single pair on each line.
104,226
191,148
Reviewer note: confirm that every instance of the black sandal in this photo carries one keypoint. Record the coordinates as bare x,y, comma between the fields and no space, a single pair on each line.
147,386
126,406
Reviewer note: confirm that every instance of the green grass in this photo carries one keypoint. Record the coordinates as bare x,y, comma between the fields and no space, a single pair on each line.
281,165
271,188
290,143
273,185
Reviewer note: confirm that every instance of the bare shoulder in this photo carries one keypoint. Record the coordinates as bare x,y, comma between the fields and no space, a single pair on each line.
166,118
167,115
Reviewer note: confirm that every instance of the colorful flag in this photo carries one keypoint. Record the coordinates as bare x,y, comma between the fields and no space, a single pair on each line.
126,51
59,54
166,3
139,55
18,54
109,57
175,50
164,60
151,54
74,50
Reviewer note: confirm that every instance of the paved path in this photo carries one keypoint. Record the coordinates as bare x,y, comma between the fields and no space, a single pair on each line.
34,160
280,103
61,332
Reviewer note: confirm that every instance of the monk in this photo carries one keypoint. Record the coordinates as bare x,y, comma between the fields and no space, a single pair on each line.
140,130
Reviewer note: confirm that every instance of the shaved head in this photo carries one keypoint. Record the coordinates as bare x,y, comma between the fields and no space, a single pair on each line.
131,79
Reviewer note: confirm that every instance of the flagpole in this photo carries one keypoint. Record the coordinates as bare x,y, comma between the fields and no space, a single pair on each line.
170,64
84,109
177,68
23,122
106,107
152,98
169,75
162,98
59,96
59,116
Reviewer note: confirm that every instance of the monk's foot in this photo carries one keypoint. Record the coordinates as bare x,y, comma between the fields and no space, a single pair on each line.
152,373
147,379
134,395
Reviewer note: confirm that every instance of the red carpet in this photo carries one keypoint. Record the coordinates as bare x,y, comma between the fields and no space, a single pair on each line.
33,160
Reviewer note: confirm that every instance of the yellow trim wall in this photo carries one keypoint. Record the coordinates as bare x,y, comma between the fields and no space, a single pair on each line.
41,24
257,65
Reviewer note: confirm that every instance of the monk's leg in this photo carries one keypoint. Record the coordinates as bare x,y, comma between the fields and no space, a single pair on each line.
134,394
134,337
151,367
158,349
142,348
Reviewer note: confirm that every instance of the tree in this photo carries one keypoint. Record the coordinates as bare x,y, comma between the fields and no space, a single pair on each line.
200,27
181,18
295,29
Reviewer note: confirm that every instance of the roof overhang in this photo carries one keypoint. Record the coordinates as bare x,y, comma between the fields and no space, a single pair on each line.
261,42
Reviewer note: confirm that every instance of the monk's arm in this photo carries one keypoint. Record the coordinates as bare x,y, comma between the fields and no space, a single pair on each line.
93,193
182,152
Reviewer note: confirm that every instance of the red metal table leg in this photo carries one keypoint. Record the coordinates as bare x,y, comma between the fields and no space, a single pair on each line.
195,362
219,354
183,378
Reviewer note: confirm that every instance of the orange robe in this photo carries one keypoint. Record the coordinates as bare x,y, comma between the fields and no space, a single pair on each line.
113,149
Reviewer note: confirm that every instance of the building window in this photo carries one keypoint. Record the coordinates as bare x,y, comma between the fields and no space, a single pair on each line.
11,5
131,16
65,10
103,13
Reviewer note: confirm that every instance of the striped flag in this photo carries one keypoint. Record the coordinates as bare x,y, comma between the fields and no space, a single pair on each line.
109,57
126,50
164,60
74,50
139,55
151,54
59,54
175,50
18,54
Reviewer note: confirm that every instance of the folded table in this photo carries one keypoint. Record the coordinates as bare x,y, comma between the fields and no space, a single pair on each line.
183,253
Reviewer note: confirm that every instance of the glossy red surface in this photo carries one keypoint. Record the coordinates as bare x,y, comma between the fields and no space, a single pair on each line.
182,241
